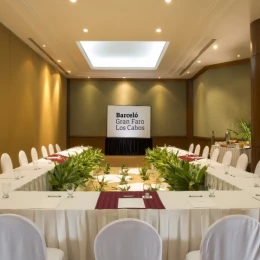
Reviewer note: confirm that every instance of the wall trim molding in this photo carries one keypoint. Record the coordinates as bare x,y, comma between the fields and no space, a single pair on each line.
220,65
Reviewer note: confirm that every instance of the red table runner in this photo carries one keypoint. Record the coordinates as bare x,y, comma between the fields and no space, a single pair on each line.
109,199
190,157
57,158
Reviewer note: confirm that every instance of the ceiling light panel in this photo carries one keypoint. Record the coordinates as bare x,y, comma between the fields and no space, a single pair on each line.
124,54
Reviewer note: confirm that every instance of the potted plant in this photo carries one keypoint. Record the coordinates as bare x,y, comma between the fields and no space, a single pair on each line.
245,130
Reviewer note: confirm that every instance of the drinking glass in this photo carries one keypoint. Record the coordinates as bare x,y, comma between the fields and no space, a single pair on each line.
35,165
147,188
256,180
212,189
226,168
16,174
70,187
6,187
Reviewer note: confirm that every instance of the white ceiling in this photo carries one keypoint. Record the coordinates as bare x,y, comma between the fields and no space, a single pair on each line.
188,25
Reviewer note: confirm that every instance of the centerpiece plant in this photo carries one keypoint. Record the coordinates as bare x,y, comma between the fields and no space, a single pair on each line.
76,169
244,132
106,168
145,175
179,174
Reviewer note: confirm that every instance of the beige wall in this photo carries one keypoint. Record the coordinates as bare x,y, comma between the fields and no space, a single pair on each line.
89,100
32,101
221,96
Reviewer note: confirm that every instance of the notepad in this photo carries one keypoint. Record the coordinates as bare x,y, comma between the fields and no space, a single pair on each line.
202,202
136,203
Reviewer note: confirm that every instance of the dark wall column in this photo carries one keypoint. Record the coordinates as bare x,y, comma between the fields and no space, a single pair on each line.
255,90
189,106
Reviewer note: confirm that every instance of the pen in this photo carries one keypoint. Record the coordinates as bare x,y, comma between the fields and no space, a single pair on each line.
54,196
257,194
128,196
200,196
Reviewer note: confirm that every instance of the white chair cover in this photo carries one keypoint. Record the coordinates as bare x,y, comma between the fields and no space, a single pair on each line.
6,163
21,239
242,162
197,149
191,148
214,155
257,169
128,239
227,158
51,149
205,153
232,237
34,154
22,158
57,148
44,151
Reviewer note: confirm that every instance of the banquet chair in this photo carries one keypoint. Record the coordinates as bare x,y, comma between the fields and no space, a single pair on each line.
231,238
21,239
214,155
227,158
191,148
34,154
197,149
257,169
57,148
51,149
205,153
128,239
23,160
6,163
44,151
242,162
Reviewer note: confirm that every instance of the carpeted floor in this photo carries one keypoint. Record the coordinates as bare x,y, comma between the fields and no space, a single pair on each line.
130,161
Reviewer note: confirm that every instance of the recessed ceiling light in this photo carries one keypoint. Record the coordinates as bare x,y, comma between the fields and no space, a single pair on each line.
123,77
159,77
158,30
59,61
215,46
85,30
88,77
68,71
199,61
168,1
43,45
188,72
238,55
73,1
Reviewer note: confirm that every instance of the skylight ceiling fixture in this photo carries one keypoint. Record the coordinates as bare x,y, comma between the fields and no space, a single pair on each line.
135,55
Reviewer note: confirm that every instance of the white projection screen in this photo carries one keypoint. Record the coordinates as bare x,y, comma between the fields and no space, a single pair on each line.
129,121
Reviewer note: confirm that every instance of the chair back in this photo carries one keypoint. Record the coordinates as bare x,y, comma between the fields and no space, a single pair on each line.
214,155
44,151
232,237
128,239
242,162
227,158
205,153
51,149
191,148
20,239
257,169
22,158
197,149
57,148
34,154
6,163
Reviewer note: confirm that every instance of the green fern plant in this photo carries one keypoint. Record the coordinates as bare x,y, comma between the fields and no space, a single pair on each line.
245,130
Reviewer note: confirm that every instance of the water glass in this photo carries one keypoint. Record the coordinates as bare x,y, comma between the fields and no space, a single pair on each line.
226,168
6,187
147,188
16,174
35,165
212,189
70,187
256,180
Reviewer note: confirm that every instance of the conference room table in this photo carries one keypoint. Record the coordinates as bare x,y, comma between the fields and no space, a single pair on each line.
72,224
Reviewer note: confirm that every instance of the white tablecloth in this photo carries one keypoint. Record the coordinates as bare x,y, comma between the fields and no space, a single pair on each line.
72,224
236,152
